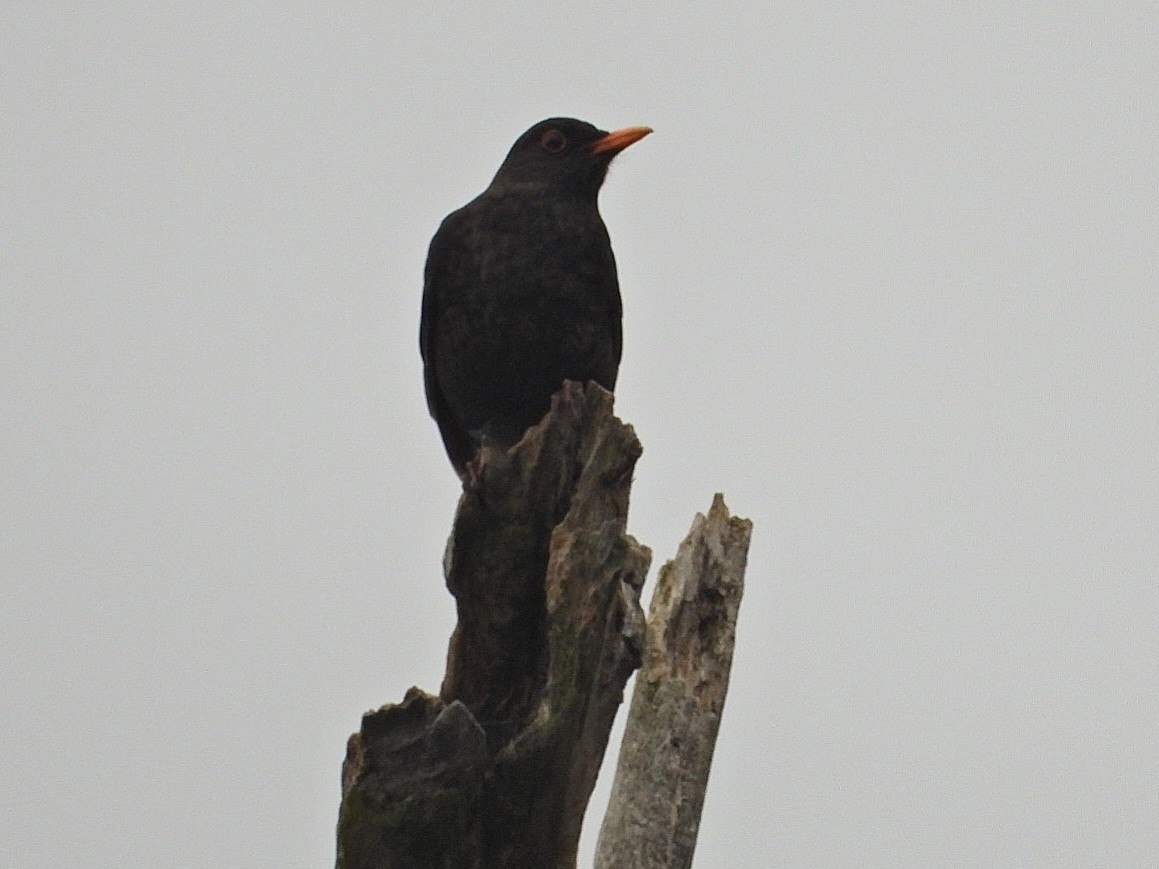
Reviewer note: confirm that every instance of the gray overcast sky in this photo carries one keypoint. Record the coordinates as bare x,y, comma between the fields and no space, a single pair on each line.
889,280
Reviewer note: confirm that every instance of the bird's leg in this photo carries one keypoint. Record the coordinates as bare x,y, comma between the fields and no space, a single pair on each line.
472,472
489,468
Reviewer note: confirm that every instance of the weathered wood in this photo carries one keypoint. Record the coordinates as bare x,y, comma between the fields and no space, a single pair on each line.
654,812
498,769
411,785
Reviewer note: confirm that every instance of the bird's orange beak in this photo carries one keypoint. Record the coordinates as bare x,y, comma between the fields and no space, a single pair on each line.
617,141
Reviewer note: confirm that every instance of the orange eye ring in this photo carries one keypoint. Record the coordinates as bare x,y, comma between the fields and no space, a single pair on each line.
553,141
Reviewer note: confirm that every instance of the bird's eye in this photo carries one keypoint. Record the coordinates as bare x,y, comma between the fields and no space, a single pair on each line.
553,141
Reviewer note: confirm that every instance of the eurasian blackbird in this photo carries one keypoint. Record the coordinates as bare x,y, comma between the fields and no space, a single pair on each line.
520,290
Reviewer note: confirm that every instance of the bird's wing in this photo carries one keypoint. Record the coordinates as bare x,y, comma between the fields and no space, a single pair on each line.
432,274
437,280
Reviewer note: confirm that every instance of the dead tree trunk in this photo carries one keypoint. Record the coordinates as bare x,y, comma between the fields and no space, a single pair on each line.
496,771
654,812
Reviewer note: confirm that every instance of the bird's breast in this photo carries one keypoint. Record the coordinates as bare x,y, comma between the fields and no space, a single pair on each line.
528,298
537,258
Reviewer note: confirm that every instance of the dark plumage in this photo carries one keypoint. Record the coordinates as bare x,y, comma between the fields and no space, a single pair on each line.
520,290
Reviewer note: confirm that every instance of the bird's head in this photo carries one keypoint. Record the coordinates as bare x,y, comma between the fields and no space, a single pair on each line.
566,155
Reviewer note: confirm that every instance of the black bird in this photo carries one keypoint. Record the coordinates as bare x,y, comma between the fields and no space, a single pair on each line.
520,290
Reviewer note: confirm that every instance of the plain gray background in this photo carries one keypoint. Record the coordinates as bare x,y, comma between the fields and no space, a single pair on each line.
889,280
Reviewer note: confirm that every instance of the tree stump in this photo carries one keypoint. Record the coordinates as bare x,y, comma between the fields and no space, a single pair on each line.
497,770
